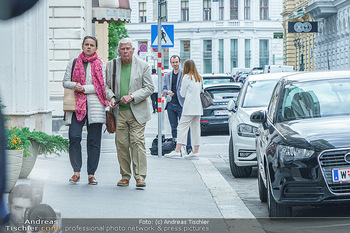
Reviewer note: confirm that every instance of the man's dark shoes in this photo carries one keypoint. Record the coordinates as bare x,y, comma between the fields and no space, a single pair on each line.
93,181
123,182
74,179
140,183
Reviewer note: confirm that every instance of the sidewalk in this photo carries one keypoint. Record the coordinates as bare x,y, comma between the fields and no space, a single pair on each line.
176,188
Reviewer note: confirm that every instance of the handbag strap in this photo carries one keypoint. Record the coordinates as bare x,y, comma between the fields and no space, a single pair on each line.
73,66
114,74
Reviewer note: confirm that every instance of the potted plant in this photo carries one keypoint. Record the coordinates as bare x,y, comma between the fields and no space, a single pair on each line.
16,147
40,143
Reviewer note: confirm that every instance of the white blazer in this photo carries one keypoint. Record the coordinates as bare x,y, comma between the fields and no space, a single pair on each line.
190,90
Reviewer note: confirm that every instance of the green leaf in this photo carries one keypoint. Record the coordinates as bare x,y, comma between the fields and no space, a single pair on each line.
116,32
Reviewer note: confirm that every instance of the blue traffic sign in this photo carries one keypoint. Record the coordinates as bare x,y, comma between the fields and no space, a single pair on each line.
167,36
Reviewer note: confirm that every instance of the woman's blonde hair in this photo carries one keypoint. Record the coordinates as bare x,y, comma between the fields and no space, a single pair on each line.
191,70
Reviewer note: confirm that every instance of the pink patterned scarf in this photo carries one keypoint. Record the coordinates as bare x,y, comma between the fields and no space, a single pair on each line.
97,80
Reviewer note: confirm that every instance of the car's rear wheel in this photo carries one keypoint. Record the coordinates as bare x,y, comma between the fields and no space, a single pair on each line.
262,189
236,170
276,210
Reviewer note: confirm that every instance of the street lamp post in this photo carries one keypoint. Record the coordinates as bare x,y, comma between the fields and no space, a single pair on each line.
296,53
302,67
299,60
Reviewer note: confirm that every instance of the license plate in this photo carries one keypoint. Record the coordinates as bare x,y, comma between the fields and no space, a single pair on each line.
220,112
340,175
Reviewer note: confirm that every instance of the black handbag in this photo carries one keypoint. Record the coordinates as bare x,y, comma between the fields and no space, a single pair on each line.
206,98
168,145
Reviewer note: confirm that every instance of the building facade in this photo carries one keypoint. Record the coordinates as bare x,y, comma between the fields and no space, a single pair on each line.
298,48
24,88
69,22
333,40
217,35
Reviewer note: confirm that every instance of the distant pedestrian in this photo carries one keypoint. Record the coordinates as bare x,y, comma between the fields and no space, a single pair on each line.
154,96
171,88
192,110
90,102
133,86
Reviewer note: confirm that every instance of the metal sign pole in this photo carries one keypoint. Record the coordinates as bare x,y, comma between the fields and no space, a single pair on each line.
160,87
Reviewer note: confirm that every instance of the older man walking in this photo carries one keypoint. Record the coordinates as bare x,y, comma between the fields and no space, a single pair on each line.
132,86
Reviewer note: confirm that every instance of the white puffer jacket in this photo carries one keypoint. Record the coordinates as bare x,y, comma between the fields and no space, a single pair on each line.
95,110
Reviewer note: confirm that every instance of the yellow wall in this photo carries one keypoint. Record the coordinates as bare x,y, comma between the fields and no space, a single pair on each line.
291,54
102,37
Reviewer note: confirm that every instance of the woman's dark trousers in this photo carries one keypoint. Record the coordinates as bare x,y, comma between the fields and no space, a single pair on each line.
94,132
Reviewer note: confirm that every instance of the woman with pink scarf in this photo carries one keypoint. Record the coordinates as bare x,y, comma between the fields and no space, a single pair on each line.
88,83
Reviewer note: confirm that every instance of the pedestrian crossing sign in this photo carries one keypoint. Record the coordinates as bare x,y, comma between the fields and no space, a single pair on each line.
167,36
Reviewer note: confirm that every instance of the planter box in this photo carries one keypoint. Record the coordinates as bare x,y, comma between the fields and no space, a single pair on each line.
29,162
14,160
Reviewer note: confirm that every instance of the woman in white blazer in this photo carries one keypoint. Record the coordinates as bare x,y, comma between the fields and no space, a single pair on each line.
192,110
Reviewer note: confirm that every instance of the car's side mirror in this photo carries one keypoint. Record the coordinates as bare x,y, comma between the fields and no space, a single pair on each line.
231,105
258,117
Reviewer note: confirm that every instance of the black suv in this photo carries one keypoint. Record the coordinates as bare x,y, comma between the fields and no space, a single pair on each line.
302,144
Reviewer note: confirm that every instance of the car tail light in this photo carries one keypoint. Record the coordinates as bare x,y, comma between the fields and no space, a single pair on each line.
204,120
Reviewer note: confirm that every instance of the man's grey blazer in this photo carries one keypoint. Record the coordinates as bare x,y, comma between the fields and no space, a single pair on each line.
167,85
141,87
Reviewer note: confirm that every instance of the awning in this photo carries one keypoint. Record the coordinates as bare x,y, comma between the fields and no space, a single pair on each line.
111,11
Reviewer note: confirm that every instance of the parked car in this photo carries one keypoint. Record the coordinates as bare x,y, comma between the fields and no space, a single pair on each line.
278,68
254,95
217,78
256,71
215,117
235,71
303,146
242,77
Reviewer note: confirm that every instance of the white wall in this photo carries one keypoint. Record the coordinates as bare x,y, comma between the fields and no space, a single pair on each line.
69,22
24,68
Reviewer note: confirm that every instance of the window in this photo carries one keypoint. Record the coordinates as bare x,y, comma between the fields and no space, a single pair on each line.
264,9
142,12
207,55
247,9
273,101
206,9
185,52
233,9
247,53
221,56
234,53
221,9
184,11
263,52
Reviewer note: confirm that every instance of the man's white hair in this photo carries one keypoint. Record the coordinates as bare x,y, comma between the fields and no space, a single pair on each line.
125,41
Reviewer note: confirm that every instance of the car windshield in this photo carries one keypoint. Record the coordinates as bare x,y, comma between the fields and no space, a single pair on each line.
215,80
315,99
258,93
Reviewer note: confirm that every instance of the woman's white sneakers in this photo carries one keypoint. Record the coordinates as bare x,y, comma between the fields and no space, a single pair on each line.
178,155
173,154
192,155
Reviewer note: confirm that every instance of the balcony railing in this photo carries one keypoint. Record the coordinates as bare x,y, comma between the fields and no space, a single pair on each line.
207,54
185,55
234,23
